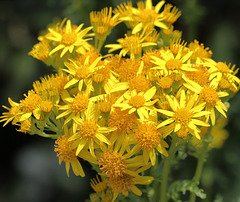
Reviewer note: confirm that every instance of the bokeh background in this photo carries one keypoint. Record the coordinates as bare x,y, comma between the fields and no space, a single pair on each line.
29,167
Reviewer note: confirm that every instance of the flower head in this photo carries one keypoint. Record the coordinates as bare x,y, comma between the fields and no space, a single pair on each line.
69,38
139,102
67,154
184,116
132,44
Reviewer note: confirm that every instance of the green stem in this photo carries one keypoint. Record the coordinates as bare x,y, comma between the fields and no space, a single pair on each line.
201,160
166,168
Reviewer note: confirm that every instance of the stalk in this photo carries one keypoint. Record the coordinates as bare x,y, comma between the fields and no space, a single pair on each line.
166,168
201,160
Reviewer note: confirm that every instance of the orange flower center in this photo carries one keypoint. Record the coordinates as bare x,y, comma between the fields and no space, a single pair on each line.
88,130
147,136
79,103
137,101
112,164
183,116
209,95
173,64
64,150
69,39
82,72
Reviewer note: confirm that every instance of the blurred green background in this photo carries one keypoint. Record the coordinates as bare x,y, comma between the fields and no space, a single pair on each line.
29,167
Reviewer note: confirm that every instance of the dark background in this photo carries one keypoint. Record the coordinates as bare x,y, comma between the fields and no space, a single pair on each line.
29,166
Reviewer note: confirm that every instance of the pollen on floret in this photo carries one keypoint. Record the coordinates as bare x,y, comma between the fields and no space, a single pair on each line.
173,64
139,83
98,185
64,150
79,103
147,136
137,101
209,95
87,130
112,164
183,116
31,102
124,121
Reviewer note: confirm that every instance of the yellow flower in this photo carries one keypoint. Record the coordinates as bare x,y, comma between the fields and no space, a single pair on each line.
40,51
201,76
148,138
69,38
140,102
132,44
75,106
199,51
148,16
170,16
81,73
103,22
30,105
126,183
222,70
125,123
98,185
11,114
25,126
122,170
170,64
184,116
88,132
65,153
209,95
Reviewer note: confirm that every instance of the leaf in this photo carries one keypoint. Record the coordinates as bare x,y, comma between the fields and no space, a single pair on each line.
184,186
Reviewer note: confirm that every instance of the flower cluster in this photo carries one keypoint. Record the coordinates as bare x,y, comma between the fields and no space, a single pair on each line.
120,111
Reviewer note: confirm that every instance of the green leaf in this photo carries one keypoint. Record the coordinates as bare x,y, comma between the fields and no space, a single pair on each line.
183,186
